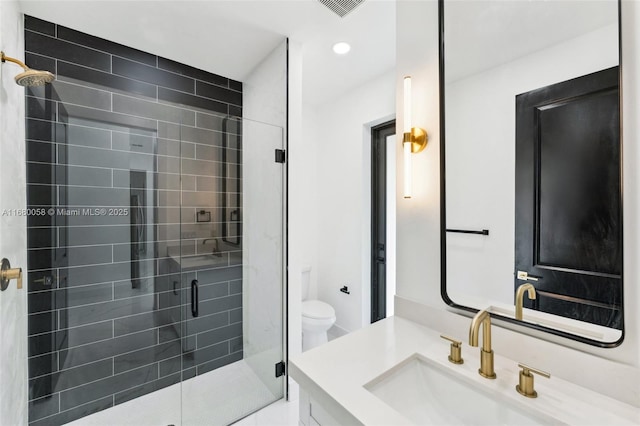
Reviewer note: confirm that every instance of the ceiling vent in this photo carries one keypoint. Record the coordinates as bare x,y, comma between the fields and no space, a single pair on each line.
341,7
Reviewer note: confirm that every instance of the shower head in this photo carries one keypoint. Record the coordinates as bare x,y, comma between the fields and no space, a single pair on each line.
29,77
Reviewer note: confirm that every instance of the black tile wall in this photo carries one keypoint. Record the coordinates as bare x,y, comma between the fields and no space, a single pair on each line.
124,150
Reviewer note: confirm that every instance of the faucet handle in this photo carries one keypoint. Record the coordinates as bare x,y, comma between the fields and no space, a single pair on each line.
455,355
525,387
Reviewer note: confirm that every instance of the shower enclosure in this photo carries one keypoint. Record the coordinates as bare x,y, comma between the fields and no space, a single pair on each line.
156,240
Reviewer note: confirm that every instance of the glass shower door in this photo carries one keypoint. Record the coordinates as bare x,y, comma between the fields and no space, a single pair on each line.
231,258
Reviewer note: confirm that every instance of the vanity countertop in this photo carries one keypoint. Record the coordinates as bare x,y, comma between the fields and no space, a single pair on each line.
335,374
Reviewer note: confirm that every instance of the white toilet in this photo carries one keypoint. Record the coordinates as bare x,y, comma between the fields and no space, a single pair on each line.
317,316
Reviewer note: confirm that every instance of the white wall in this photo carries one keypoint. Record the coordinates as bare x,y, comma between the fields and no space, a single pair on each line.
617,371
481,160
264,120
342,136
13,235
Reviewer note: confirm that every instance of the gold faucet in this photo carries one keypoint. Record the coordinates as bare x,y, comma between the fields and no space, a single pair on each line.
531,291
486,353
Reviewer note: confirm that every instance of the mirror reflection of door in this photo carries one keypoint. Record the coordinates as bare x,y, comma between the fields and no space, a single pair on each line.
383,190
568,202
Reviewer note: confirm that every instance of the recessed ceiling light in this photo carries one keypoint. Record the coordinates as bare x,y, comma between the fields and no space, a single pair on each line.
341,48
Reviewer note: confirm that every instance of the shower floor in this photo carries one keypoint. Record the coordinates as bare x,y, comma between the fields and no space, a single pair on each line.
219,397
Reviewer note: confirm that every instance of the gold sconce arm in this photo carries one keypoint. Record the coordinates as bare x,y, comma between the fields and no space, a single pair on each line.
7,273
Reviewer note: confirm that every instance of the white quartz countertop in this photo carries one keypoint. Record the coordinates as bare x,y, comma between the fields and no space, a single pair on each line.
335,374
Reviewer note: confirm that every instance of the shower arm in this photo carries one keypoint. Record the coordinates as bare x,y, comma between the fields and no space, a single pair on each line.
5,58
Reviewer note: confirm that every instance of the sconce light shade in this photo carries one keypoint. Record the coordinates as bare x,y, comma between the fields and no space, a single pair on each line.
414,139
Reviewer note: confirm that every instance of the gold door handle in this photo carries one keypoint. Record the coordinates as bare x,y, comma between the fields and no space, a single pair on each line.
455,352
524,276
525,386
7,273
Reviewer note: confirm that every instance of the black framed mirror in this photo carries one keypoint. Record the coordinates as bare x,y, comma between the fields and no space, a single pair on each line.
530,164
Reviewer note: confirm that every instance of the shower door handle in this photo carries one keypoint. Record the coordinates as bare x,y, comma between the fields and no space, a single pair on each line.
194,298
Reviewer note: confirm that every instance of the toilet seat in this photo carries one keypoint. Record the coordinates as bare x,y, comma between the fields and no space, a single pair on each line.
317,310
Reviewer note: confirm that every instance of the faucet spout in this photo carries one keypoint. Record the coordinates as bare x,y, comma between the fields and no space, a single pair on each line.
531,292
482,317
486,353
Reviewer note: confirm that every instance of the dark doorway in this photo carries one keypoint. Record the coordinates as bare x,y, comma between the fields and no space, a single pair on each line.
379,244
568,198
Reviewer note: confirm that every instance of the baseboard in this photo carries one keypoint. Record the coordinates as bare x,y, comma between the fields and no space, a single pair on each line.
336,331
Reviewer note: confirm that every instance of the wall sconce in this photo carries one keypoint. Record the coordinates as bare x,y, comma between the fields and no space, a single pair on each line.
414,138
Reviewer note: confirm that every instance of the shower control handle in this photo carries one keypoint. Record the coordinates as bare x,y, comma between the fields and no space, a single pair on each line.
194,298
7,273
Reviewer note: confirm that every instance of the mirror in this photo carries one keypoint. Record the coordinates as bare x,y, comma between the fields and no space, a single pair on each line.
530,164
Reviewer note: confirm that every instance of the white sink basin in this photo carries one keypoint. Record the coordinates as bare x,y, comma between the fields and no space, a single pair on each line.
428,394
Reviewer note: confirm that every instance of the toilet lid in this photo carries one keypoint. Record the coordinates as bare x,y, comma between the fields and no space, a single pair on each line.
317,309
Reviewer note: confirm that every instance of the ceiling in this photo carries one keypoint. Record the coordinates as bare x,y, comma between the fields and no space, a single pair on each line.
232,37
480,35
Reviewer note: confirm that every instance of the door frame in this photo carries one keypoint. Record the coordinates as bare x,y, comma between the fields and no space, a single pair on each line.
379,135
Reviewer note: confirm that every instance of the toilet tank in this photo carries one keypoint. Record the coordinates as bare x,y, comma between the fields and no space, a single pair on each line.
305,280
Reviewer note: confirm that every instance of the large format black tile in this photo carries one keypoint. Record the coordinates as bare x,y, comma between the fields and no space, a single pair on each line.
43,407
69,134
40,108
185,99
193,326
214,306
43,364
235,287
94,157
211,291
69,338
73,317
107,348
111,385
170,366
142,357
80,95
43,152
75,413
220,275
200,356
69,297
235,345
235,315
68,256
235,111
67,175
219,335
91,196
59,49
218,93
152,75
155,284
153,110
104,80
41,195
40,26
219,362
189,71
65,379
105,45
235,85
74,114
40,130
147,321
219,123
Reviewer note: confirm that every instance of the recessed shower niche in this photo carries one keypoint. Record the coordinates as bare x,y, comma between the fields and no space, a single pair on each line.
151,273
